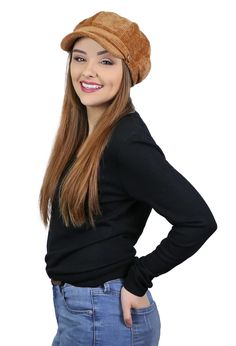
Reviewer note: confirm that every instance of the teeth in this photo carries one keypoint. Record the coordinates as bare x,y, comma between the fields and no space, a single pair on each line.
91,86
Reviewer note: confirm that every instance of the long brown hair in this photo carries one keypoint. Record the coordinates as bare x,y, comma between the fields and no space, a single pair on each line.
79,190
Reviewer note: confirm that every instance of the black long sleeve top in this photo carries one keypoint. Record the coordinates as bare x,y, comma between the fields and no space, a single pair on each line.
134,177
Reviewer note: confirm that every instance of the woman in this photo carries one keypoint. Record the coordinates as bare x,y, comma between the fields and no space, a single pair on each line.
104,176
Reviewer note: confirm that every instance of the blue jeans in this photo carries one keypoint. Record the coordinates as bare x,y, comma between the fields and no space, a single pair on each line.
93,316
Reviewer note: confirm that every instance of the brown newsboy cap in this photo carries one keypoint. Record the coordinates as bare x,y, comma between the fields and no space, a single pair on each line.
120,36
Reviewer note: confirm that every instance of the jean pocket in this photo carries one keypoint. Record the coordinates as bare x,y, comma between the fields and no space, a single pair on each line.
147,309
73,302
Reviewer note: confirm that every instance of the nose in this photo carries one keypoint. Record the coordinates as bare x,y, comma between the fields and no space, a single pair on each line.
89,69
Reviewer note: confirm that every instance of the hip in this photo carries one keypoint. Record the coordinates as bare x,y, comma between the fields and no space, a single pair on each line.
93,316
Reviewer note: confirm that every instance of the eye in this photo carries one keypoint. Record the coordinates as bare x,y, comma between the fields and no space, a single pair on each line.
107,62
76,58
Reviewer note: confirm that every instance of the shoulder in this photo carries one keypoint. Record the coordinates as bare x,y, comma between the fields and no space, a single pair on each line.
132,133
128,126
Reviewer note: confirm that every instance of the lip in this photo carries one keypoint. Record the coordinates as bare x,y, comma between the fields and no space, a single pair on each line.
89,91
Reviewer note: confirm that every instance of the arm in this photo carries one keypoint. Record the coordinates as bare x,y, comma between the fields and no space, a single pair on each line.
147,176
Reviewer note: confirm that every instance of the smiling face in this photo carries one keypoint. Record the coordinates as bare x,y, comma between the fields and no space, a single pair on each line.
96,74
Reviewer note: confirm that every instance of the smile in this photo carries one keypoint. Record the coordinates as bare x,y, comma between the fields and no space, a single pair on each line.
90,87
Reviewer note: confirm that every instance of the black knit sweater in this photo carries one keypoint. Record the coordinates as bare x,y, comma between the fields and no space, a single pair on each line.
134,177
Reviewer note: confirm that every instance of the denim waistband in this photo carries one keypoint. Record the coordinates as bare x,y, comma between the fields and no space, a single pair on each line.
112,284
105,287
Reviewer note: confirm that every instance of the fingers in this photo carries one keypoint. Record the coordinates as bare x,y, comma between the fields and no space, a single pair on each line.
127,316
126,307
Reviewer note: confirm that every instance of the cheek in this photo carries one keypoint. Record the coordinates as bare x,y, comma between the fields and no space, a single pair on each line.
117,83
74,72
119,77
117,80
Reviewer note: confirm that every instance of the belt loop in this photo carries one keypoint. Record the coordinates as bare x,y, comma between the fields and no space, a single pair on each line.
60,287
106,287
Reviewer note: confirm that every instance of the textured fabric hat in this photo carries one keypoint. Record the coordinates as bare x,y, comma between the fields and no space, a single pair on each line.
118,35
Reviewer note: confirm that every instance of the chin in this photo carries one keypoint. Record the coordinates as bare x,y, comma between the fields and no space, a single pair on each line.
93,103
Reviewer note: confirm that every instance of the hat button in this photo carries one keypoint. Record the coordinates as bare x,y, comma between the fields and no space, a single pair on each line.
128,58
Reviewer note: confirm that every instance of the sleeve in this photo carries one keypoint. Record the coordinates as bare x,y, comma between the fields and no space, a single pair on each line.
147,176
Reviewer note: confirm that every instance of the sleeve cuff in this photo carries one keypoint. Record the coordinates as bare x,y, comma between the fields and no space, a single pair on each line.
138,279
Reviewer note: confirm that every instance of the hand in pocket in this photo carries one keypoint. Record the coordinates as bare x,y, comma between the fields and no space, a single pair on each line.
130,300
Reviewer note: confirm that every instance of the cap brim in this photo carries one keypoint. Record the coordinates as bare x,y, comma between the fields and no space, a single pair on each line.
68,42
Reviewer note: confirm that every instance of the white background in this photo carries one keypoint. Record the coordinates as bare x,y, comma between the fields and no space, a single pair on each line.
188,103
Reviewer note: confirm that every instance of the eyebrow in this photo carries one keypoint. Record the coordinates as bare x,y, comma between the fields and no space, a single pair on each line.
83,52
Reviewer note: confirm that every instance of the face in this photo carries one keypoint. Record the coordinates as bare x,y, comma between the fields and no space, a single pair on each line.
96,74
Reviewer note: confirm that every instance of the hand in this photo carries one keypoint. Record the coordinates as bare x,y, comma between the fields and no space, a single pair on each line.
128,301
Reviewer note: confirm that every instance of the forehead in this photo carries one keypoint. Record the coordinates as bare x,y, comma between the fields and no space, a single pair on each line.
88,43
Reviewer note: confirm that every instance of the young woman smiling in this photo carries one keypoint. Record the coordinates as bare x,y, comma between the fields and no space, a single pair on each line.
104,176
